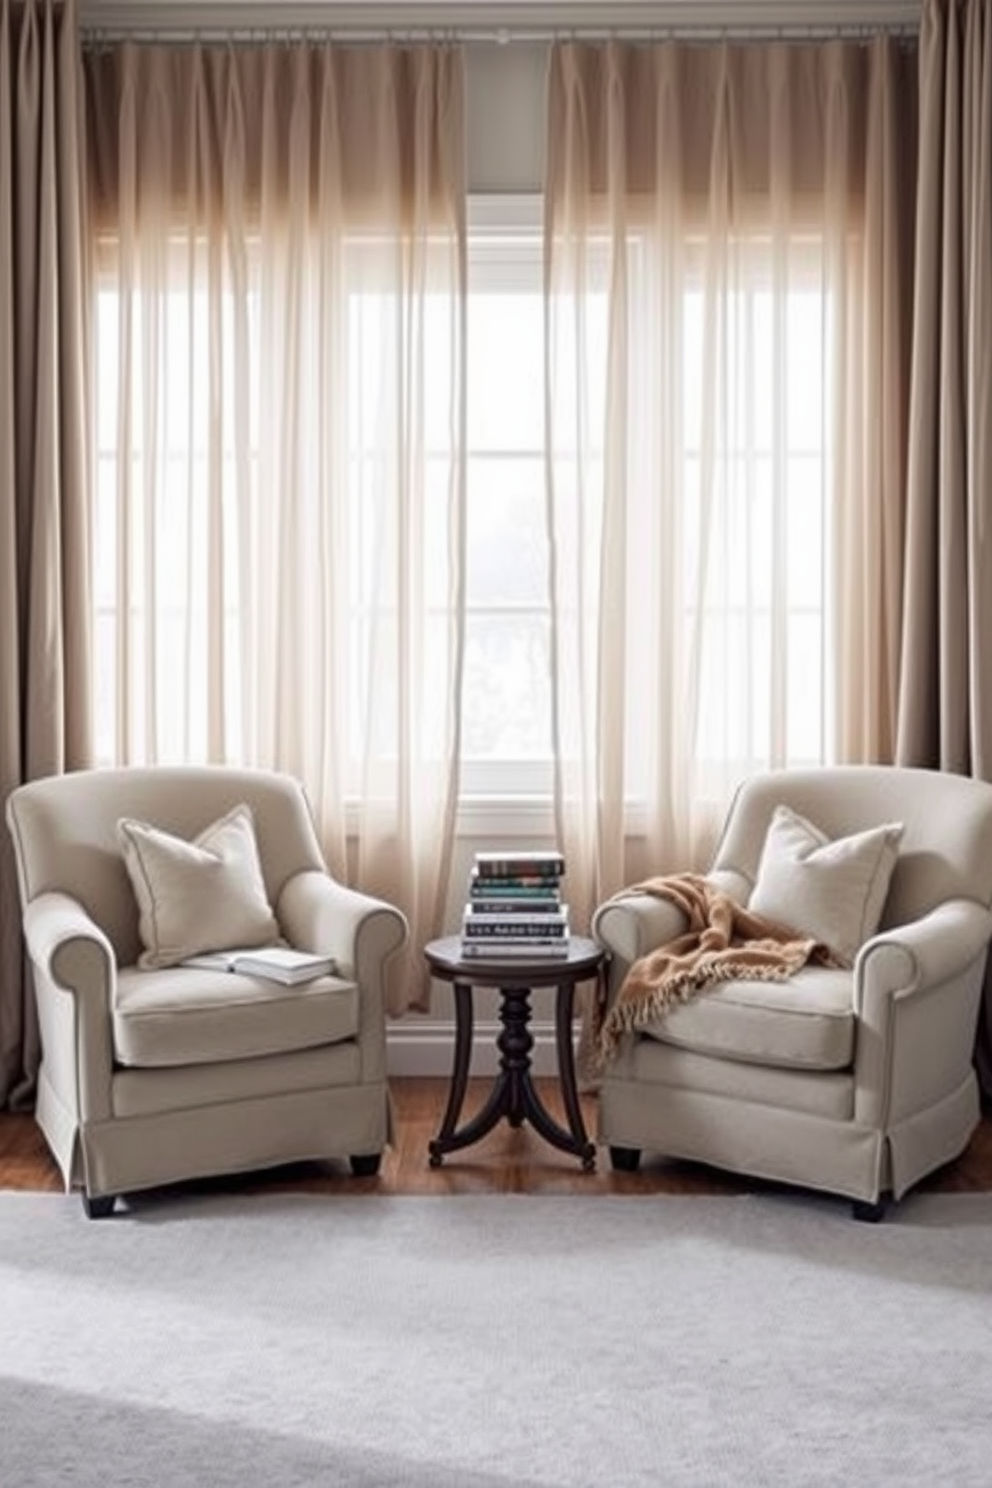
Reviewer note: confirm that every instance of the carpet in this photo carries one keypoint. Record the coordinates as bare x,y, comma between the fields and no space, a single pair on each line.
470,1342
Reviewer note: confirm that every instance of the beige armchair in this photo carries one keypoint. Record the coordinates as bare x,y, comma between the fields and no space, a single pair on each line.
155,1073
854,1081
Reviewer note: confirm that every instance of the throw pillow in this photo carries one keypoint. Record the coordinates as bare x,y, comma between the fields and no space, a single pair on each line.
832,890
204,895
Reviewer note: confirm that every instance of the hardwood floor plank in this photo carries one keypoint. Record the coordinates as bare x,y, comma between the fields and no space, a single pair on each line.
508,1160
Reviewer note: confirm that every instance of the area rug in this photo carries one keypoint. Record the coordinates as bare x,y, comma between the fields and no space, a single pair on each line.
470,1342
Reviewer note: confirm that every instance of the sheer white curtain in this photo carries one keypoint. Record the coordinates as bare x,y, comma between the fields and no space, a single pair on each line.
727,310
280,268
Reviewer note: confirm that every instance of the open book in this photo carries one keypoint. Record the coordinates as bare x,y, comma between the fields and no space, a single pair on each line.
281,963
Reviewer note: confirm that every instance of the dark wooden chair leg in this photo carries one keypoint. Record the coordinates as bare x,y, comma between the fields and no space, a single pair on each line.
98,1206
365,1164
625,1159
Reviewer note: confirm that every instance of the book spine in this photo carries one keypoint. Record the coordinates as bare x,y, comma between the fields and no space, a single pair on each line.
484,905
502,949
526,930
479,912
539,885
521,866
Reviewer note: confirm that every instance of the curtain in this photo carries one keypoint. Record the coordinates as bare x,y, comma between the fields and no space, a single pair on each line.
279,236
728,290
44,459
945,699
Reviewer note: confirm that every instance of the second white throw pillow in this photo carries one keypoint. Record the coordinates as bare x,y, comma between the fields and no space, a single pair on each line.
832,890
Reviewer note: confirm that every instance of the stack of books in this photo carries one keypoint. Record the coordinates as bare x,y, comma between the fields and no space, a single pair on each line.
515,906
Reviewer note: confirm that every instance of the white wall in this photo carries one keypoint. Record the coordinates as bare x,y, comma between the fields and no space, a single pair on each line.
505,89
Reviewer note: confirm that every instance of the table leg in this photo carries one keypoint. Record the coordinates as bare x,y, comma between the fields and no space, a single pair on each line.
459,1074
508,1095
526,1103
564,1008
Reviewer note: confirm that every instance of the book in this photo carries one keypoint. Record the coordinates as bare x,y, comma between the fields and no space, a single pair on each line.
504,950
536,887
487,904
536,863
514,927
514,940
279,963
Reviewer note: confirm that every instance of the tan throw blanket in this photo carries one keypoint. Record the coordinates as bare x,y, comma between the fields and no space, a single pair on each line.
722,943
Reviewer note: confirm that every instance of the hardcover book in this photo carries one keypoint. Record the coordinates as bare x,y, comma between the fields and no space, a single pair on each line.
487,904
514,927
509,950
537,886
536,863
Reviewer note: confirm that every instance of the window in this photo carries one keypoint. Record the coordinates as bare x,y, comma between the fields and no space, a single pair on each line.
758,600
760,591
153,552
506,729
507,713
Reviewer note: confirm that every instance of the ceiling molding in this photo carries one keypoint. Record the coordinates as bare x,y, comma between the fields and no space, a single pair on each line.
498,20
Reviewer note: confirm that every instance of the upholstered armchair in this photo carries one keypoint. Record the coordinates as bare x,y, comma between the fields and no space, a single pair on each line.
154,1071
852,1076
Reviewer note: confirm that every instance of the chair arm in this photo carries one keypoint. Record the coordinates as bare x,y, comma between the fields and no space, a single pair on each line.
925,953
917,989
631,924
75,972
318,913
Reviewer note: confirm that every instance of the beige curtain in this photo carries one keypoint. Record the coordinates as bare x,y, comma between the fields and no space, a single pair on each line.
44,455
280,241
945,700
729,256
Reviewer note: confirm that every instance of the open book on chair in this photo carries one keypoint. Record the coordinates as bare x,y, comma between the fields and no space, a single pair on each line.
281,963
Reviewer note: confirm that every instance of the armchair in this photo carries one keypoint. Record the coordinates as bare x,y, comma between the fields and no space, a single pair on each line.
856,1081
152,1074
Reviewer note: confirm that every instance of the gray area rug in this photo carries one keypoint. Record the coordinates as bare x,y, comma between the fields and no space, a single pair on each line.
470,1342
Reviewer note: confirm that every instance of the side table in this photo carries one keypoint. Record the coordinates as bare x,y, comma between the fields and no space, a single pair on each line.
514,1095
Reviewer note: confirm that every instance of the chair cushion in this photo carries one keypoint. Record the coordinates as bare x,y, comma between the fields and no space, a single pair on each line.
832,890
828,1094
204,895
805,1022
188,1016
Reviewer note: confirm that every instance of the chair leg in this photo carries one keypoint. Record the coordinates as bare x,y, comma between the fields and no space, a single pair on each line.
868,1212
98,1206
365,1164
625,1159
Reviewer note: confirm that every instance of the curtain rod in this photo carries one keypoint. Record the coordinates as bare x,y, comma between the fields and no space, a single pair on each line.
256,36
513,21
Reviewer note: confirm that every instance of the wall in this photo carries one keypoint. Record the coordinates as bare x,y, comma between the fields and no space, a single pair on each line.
505,87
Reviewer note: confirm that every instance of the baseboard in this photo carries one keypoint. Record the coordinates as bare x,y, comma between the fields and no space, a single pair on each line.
424,1048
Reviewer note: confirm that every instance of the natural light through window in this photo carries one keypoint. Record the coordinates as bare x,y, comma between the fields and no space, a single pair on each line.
507,714
758,602
759,591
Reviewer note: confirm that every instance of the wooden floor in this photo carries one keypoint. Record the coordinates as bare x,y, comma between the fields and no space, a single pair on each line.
506,1161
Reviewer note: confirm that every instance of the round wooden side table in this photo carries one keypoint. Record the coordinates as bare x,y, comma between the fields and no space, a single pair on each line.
514,1094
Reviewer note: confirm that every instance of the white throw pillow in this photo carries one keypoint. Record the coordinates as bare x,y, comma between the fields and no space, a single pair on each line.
833,891
204,895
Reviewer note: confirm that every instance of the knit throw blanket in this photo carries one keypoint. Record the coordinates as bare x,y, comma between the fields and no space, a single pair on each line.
723,942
